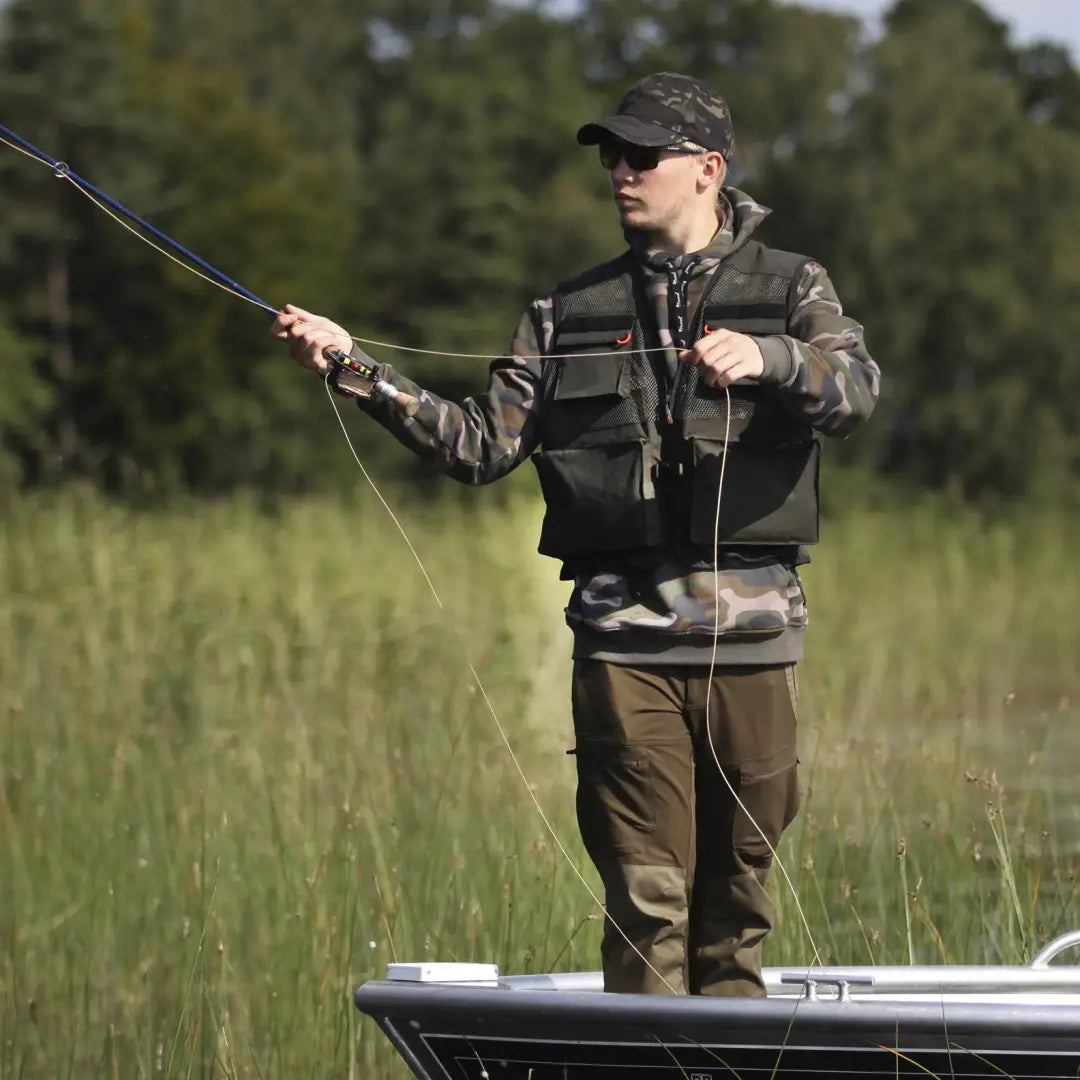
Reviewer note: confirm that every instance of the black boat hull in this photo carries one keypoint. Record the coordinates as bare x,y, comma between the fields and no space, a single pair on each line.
500,1033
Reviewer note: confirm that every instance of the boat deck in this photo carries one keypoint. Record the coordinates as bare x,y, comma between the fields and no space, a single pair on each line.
944,1021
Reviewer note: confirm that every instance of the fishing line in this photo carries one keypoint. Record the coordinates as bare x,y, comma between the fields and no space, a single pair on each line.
484,694
211,274
109,205
816,961
63,171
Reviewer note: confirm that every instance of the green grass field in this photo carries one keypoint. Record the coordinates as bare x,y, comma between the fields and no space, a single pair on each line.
244,764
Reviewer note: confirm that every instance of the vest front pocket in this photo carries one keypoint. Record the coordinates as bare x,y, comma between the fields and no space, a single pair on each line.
598,498
769,496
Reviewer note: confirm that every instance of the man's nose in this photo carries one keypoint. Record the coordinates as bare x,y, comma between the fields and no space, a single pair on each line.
622,172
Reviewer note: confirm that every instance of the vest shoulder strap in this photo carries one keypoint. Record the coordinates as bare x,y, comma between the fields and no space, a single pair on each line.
607,289
606,271
755,258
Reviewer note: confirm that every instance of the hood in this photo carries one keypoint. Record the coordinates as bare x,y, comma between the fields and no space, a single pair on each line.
747,215
742,216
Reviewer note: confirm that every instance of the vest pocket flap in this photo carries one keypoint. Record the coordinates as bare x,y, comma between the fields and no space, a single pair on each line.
593,376
598,498
612,325
770,493
616,338
757,318
581,332
763,310
707,409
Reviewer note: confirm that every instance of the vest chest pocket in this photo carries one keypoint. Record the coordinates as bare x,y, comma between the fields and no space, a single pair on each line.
590,400
586,377
770,493
603,366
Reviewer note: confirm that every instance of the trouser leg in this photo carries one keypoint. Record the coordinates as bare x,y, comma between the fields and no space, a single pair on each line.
752,720
635,806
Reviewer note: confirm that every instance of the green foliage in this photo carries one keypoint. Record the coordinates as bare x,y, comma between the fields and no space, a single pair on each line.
491,210
954,213
409,169
23,405
153,374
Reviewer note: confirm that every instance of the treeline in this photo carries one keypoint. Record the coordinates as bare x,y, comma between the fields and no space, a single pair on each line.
409,167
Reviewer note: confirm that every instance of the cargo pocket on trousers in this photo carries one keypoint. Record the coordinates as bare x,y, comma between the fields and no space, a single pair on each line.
615,805
771,799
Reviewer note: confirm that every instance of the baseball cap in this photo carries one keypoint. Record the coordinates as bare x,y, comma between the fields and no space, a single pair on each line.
667,107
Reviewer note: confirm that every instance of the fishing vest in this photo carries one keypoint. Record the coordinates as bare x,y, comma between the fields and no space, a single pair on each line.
630,462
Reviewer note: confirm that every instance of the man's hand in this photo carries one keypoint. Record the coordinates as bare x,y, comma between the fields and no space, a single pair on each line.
725,356
308,335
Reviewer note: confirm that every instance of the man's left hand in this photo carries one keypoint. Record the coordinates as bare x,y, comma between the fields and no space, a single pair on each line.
725,356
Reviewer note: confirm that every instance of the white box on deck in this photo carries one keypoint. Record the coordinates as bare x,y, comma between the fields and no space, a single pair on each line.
437,972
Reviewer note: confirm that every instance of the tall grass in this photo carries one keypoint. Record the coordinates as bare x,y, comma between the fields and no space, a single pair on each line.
243,764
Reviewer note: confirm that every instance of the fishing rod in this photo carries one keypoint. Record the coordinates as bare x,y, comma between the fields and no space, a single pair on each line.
348,376
64,172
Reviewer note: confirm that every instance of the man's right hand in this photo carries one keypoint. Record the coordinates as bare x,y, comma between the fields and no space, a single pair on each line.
308,335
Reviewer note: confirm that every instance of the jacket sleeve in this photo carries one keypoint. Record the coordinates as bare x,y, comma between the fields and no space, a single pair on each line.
821,367
484,437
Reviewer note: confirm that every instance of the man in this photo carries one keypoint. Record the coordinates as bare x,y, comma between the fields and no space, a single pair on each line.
673,402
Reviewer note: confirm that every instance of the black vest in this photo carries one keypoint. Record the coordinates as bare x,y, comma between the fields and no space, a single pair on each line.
630,463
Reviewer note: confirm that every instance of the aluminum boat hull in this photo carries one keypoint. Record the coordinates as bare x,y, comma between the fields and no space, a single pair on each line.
948,1022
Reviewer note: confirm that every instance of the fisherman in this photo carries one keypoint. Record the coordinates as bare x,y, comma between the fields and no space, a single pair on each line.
673,401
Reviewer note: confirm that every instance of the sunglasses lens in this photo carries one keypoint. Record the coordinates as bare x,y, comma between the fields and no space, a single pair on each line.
610,153
642,158
638,158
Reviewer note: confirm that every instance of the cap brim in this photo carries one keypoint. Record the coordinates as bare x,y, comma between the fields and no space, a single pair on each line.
629,129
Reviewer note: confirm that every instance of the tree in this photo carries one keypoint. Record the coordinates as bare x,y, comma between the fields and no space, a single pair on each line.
410,169
153,377
949,225
479,197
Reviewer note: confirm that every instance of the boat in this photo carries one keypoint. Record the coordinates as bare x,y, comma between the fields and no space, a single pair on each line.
468,1022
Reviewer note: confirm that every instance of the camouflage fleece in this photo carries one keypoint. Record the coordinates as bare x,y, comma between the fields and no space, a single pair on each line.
665,611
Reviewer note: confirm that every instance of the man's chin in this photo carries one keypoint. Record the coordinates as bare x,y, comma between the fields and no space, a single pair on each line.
631,217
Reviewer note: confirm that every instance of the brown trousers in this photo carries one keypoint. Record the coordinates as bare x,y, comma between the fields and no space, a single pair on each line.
683,867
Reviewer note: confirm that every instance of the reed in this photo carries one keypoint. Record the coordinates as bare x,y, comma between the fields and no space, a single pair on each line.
244,764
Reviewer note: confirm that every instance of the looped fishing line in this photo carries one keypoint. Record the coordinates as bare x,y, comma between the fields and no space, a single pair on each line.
62,171
484,694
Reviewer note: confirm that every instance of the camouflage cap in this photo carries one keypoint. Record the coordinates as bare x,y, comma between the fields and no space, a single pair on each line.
666,107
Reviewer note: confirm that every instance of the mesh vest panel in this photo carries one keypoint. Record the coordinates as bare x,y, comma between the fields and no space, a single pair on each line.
613,296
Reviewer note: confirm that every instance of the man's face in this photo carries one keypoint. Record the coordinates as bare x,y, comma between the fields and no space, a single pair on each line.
653,199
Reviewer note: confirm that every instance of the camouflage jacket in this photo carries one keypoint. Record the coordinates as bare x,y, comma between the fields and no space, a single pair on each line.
665,611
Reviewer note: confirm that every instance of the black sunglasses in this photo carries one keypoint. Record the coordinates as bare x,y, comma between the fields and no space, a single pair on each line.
639,158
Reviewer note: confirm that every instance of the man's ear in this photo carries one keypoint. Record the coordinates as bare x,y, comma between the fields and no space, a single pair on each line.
714,168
